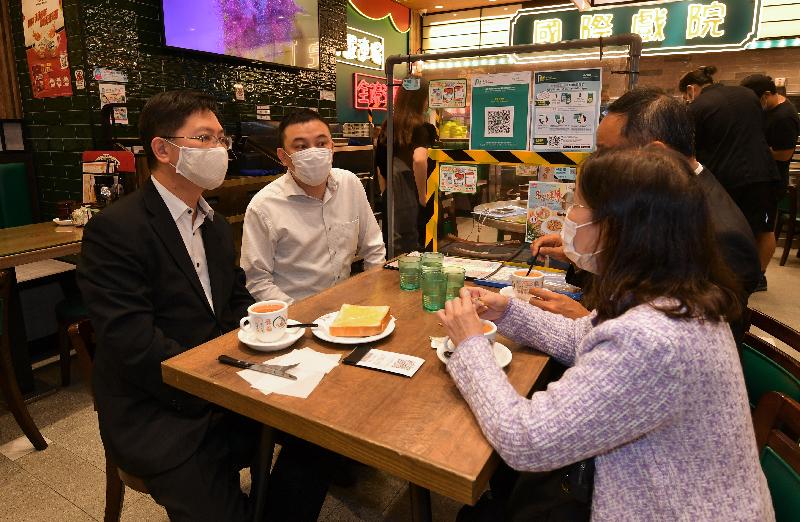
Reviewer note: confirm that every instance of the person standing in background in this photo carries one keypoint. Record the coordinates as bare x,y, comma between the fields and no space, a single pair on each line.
730,142
413,136
781,124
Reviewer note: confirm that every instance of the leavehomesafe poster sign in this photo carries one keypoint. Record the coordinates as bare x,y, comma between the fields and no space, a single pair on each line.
666,27
46,48
566,110
499,110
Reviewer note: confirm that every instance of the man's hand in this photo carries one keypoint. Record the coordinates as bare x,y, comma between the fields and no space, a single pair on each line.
549,245
557,303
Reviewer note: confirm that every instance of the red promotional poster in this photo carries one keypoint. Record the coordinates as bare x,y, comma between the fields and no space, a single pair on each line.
46,48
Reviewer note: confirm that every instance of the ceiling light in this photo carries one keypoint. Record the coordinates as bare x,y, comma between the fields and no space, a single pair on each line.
438,7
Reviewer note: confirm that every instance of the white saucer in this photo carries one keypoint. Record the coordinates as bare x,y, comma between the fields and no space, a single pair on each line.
501,353
325,321
508,291
62,222
289,337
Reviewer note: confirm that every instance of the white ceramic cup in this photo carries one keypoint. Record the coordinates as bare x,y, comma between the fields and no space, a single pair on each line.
491,332
523,284
266,320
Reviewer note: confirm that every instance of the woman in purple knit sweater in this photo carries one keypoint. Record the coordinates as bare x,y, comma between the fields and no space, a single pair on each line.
654,389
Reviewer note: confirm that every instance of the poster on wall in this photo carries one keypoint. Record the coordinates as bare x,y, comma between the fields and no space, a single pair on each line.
46,48
547,204
454,177
447,94
566,110
114,93
500,111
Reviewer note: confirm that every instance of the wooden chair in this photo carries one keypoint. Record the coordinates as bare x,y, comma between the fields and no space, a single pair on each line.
8,378
777,426
767,368
82,337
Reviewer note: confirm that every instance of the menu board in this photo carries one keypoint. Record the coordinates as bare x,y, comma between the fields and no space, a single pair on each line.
566,110
447,94
547,205
455,177
499,111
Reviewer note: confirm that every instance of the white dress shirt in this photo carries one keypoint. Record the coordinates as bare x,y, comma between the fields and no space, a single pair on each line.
295,245
192,237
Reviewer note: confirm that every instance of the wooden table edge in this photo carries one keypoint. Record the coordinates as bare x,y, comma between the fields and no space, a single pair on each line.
32,256
463,488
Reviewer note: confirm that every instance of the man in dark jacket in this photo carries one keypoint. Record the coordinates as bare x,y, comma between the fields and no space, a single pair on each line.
642,117
159,277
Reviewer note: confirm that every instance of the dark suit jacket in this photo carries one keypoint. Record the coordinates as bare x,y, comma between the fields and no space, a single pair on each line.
734,239
146,303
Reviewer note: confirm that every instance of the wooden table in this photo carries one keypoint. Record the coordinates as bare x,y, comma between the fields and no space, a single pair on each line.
419,429
18,246
515,228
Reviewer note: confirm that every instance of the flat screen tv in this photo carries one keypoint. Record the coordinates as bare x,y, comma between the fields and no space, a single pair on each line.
278,31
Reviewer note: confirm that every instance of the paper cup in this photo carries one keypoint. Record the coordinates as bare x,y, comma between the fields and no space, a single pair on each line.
266,320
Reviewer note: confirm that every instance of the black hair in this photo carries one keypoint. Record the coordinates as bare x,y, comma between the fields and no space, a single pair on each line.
656,236
297,117
700,76
652,115
166,112
759,84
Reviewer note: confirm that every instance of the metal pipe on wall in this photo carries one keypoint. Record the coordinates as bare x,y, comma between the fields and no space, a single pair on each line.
633,41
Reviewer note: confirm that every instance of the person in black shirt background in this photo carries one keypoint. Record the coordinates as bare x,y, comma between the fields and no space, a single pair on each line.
413,136
781,123
730,142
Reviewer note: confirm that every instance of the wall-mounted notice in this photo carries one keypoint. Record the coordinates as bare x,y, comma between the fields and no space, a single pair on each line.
566,110
447,94
500,111
458,178
114,93
46,48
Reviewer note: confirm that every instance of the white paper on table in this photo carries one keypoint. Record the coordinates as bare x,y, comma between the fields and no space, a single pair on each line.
392,362
311,369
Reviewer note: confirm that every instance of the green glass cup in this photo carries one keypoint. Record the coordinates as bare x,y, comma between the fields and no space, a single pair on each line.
409,272
434,288
432,259
455,281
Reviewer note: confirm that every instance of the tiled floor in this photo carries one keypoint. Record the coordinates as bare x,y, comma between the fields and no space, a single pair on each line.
66,481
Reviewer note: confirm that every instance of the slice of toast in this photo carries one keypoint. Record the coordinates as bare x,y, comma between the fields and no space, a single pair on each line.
360,321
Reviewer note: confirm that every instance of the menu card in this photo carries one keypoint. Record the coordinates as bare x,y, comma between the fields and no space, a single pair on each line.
473,268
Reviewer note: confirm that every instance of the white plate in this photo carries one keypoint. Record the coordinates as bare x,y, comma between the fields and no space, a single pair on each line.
289,337
325,321
62,222
501,353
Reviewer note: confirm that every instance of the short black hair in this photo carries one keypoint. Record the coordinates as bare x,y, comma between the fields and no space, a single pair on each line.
296,117
700,76
759,84
166,112
652,115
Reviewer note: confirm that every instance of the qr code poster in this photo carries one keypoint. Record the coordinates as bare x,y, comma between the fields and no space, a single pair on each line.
458,178
566,110
499,122
499,110
447,94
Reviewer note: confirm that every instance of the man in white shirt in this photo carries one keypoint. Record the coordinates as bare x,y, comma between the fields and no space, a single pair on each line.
302,232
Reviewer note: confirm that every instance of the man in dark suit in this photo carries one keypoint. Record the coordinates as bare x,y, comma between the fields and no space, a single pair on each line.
649,116
158,274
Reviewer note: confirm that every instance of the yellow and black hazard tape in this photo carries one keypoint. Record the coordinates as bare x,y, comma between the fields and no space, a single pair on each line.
491,157
508,157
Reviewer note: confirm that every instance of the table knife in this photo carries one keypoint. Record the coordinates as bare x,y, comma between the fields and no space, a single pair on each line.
279,371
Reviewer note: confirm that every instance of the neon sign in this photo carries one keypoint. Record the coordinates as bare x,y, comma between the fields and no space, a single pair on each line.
370,92
363,49
666,27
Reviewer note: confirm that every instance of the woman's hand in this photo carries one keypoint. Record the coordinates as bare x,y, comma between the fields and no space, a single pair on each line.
549,245
489,305
460,319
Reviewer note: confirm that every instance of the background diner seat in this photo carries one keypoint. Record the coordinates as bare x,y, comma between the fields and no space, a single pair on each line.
82,337
777,426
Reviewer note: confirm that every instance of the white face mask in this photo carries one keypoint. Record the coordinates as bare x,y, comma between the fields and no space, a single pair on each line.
583,261
312,166
205,168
